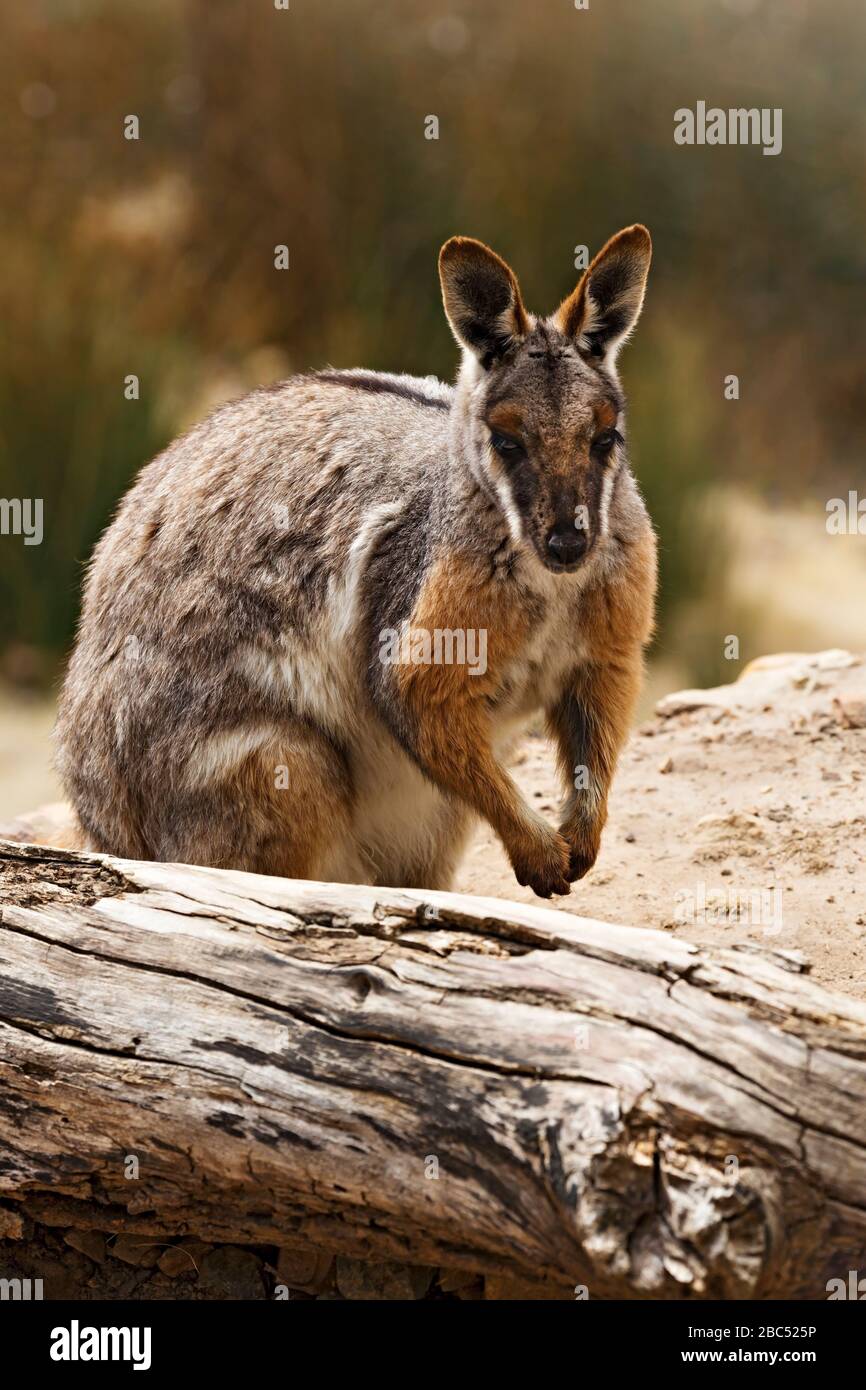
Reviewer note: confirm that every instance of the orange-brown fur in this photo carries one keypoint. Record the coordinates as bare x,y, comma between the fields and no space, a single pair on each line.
451,710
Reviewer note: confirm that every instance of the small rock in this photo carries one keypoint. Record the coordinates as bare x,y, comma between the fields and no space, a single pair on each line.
230,1273
688,701
733,832
358,1279
850,710
11,1224
90,1243
451,1280
183,1258
629,839
304,1267
135,1250
667,765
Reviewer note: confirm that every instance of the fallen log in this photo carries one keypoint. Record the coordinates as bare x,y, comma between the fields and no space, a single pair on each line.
422,1077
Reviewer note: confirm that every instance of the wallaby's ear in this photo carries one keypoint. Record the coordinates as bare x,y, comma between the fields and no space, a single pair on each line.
602,311
481,297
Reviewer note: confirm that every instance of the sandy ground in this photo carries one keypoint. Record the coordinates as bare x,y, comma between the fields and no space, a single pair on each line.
27,779
757,788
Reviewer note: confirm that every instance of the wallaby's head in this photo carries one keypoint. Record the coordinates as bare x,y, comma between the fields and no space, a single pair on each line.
539,407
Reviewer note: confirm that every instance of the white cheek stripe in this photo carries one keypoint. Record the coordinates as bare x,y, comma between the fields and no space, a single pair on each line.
483,458
606,494
506,500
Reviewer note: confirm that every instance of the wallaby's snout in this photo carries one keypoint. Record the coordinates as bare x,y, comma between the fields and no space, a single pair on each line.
566,548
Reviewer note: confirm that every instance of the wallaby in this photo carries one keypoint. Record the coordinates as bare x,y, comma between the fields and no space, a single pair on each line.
237,697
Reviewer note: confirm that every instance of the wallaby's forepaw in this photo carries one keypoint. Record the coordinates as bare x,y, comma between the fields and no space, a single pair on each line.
583,842
542,864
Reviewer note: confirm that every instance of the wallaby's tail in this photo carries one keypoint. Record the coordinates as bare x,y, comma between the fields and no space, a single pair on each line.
55,825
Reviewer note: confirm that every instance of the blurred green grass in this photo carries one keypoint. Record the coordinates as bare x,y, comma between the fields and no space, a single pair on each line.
306,127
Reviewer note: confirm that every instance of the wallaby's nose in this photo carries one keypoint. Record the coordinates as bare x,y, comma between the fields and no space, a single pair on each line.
566,547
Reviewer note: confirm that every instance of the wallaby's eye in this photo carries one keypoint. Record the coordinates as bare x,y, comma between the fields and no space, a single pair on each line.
505,446
603,443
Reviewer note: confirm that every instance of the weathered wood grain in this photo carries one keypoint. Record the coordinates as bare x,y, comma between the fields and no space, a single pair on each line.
424,1077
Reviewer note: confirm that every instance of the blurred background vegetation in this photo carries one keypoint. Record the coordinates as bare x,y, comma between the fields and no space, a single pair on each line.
305,127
